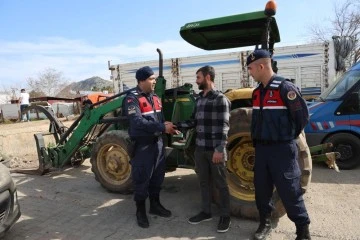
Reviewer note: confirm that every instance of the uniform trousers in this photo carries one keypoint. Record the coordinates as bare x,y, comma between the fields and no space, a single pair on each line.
276,165
148,169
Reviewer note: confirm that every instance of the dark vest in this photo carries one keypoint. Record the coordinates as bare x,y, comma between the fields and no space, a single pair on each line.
271,120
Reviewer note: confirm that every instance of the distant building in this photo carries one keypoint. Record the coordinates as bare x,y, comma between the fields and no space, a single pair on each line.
4,98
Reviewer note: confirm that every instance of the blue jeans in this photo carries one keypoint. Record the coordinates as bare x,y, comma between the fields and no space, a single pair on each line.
22,107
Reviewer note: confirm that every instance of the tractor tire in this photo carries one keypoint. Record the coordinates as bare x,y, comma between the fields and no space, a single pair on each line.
110,161
348,145
240,164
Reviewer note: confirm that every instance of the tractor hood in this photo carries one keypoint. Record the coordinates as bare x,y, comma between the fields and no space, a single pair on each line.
230,32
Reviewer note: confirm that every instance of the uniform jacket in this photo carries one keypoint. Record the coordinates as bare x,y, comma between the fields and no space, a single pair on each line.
145,115
279,111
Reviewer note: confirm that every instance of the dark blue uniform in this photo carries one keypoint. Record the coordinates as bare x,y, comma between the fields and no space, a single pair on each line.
279,115
146,127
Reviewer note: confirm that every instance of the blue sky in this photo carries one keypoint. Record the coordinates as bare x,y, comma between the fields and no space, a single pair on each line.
78,37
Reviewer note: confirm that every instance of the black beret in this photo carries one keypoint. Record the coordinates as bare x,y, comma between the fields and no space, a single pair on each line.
144,73
257,54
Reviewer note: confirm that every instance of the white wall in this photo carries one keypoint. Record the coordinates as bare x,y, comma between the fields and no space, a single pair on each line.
311,65
11,111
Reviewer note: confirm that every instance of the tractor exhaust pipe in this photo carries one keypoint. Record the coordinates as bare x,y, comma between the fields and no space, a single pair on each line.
161,62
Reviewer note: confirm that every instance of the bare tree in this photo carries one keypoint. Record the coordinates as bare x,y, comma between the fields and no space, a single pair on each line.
344,25
49,82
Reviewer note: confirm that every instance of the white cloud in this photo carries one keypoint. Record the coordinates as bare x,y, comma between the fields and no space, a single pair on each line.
77,59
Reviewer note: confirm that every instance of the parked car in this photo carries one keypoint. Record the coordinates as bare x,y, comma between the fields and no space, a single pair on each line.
9,204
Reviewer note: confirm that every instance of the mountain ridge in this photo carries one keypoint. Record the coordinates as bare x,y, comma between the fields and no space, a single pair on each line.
76,89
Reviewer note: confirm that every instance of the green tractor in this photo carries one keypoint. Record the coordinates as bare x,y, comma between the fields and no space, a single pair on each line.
100,132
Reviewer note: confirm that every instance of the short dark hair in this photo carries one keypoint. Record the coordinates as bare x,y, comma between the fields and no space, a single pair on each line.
22,90
207,70
143,73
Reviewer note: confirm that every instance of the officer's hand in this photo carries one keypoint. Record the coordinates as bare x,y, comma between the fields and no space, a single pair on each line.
170,128
218,157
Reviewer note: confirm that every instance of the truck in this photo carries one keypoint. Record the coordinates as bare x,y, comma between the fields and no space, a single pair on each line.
311,66
100,132
335,118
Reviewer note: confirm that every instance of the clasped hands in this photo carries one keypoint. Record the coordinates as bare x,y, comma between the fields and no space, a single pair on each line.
170,128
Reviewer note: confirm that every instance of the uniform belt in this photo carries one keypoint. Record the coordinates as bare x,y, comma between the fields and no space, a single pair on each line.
271,142
146,140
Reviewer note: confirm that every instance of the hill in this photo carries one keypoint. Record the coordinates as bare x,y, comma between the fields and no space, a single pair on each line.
84,86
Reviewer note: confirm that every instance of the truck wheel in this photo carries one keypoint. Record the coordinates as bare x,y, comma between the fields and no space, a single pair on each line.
348,146
110,161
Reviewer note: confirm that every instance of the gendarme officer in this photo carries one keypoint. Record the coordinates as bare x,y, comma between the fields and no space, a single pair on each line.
279,116
144,111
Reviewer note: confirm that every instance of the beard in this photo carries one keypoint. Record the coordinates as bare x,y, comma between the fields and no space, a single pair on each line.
202,86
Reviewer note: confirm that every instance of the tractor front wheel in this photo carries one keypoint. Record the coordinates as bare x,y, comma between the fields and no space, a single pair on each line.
110,161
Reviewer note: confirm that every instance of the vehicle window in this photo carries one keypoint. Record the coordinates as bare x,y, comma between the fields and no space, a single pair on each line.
347,81
351,104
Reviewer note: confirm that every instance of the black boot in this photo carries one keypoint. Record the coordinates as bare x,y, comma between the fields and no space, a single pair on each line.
141,217
264,229
158,209
302,232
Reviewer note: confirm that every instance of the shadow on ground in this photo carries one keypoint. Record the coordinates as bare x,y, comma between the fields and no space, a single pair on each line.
71,205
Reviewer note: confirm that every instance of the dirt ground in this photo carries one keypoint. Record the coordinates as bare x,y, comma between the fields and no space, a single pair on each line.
332,199
17,142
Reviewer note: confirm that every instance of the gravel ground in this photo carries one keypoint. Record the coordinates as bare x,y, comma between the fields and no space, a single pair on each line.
54,204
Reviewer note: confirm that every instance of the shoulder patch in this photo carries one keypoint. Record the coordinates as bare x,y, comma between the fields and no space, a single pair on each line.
131,110
291,95
276,81
274,85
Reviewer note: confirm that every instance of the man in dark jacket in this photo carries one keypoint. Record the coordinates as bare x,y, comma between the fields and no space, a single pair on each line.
279,115
147,125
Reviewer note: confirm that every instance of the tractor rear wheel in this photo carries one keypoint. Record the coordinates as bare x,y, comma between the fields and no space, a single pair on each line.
240,179
240,166
110,161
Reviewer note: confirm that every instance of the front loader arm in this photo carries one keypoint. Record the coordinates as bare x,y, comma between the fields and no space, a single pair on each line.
73,141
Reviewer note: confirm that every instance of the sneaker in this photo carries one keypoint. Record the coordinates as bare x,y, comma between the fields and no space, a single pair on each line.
201,217
224,224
